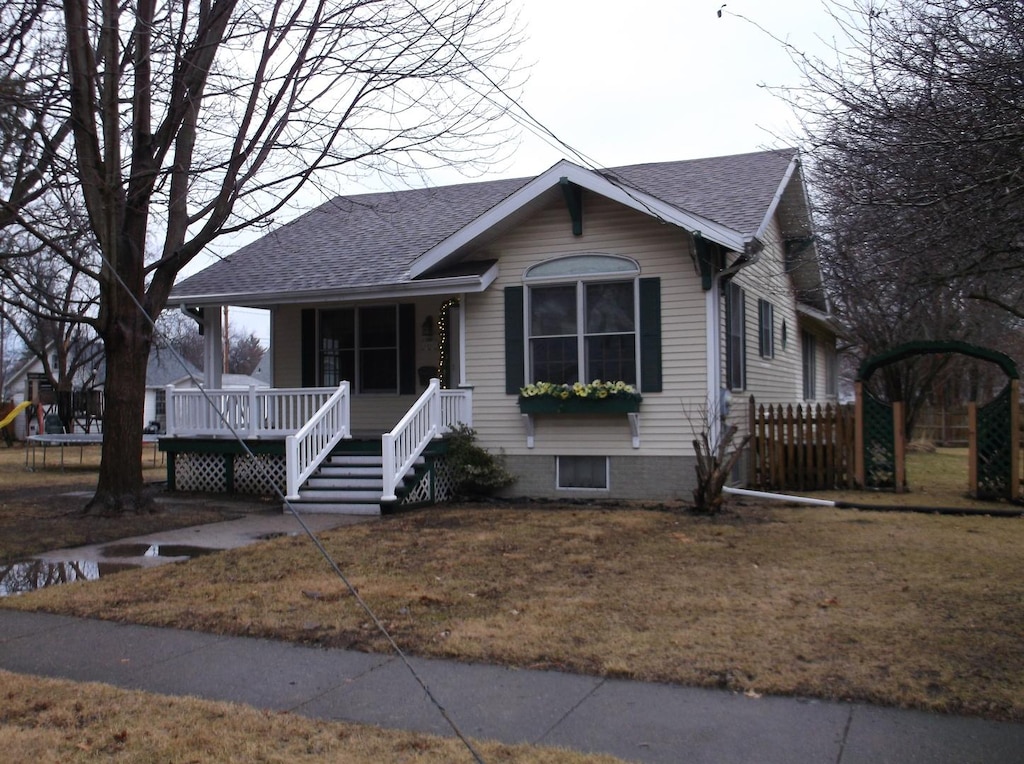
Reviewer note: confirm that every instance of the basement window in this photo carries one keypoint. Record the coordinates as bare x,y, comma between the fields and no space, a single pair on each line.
589,473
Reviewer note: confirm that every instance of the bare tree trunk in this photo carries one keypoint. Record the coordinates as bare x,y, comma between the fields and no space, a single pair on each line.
120,489
714,466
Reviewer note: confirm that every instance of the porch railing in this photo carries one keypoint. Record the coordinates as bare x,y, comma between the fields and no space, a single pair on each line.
250,413
307,448
433,413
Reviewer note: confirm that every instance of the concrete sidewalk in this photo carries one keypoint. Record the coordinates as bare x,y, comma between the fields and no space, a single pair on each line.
633,720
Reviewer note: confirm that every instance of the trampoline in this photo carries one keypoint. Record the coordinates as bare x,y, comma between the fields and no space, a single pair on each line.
72,439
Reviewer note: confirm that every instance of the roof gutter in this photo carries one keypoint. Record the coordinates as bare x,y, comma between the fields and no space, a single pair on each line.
421,288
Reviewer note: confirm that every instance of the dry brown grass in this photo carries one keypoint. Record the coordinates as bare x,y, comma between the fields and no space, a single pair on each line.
50,720
936,478
909,610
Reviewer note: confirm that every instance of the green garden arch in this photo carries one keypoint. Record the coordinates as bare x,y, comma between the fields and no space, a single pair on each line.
994,441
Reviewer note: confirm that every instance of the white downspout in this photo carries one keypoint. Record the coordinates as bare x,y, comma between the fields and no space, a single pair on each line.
712,314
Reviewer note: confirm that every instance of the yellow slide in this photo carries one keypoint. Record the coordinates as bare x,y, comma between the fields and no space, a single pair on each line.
14,414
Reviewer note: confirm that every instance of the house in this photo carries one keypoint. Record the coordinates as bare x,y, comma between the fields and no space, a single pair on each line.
695,282
29,382
163,369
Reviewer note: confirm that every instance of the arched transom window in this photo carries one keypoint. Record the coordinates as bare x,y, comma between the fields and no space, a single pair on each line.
582,317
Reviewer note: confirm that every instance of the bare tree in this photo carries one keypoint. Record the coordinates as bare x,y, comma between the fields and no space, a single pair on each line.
177,123
181,333
49,302
916,137
914,132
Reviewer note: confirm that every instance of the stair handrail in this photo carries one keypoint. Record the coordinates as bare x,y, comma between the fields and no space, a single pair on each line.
401,447
307,448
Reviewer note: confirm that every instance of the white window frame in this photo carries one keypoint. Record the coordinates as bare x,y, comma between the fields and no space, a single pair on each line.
560,271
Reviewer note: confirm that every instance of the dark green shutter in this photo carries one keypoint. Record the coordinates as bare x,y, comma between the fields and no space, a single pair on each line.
515,368
650,335
308,345
407,349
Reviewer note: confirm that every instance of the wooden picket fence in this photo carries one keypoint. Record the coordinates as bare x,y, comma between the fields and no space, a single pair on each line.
801,448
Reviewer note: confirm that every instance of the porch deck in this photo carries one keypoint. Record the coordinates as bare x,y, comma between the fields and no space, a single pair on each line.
275,441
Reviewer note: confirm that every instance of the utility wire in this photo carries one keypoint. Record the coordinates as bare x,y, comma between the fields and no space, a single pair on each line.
305,528
525,118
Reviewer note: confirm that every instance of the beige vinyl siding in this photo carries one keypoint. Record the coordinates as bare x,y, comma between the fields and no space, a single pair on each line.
778,379
287,344
608,228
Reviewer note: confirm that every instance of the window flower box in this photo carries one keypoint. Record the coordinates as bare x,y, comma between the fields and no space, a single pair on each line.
582,398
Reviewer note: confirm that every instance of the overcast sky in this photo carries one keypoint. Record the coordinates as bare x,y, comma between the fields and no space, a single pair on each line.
656,80
659,80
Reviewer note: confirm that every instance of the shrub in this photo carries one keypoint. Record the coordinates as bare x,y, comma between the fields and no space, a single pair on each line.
475,471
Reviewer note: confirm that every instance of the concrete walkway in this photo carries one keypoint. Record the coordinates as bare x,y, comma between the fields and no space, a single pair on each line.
634,720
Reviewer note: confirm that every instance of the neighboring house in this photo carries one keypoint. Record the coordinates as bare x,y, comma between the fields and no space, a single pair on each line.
29,382
687,279
164,368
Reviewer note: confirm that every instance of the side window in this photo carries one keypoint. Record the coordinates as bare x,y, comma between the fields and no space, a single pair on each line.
831,371
809,344
736,331
766,329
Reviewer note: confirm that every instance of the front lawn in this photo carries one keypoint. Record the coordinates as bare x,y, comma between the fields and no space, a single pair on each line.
910,610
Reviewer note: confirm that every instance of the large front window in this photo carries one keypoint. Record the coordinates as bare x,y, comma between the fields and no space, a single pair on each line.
585,328
360,345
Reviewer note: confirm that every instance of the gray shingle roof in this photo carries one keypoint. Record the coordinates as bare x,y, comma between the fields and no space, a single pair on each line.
368,240
735,191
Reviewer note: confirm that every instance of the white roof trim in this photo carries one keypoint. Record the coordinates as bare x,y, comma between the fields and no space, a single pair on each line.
824,319
777,197
592,181
426,287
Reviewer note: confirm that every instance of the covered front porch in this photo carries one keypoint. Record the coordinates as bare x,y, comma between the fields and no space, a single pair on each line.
299,443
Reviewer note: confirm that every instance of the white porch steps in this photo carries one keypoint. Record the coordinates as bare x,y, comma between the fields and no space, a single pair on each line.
347,484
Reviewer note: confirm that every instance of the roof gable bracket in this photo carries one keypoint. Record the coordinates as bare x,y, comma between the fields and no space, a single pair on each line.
709,260
574,201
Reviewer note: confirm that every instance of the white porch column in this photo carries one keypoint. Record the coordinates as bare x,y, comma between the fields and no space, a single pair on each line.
462,341
213,348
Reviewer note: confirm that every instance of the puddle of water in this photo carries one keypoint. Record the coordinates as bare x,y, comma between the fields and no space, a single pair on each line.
29,575
156,550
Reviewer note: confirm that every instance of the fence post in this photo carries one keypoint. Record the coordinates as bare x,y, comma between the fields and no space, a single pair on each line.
899,447
169,424
466,405
250,420
858,434
434,408
972,448
291,460
388,465
1015,436
754,443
